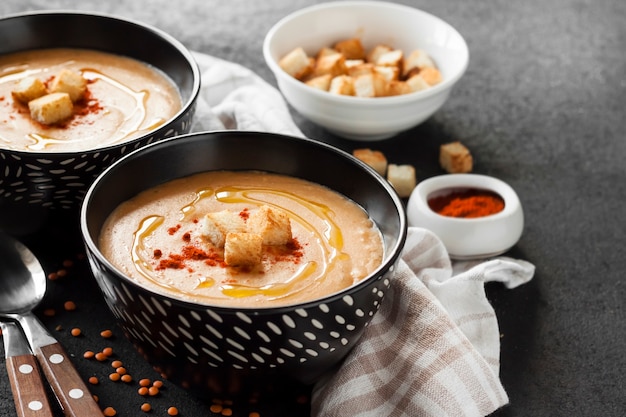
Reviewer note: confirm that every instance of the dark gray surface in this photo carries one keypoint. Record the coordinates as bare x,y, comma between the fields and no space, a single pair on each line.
542,107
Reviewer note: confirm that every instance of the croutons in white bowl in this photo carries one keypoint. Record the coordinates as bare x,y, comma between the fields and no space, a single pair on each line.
373,23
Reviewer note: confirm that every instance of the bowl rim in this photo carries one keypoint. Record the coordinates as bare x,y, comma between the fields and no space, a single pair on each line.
279,73
182,49
388,264
419,196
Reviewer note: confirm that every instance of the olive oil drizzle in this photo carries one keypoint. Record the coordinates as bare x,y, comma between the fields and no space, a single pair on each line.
329,239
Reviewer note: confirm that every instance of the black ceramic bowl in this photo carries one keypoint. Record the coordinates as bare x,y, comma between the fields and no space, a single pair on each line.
229,350
35,184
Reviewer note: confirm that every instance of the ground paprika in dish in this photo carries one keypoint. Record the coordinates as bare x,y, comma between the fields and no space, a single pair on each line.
467,203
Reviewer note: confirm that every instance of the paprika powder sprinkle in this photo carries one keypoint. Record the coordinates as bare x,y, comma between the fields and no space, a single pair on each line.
468,203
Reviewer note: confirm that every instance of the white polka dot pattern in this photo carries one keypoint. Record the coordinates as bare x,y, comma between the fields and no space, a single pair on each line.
60,180
179,339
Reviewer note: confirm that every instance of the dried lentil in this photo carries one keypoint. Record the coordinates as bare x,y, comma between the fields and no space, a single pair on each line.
109,412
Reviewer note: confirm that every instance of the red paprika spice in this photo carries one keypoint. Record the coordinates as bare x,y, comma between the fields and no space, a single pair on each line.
467,203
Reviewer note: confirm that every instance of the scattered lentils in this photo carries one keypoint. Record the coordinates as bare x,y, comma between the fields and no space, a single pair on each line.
106,334
109,412
145,407
172,411
75,332
69,305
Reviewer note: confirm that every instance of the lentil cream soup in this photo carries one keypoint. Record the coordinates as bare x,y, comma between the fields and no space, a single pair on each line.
125,99
158,238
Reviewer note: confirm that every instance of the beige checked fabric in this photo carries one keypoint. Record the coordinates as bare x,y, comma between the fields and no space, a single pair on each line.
433,348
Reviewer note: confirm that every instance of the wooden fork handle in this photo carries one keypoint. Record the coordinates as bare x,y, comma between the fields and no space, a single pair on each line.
29,393
67,384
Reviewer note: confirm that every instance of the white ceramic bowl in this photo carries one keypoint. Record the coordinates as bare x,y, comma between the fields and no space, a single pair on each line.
468,238
374,22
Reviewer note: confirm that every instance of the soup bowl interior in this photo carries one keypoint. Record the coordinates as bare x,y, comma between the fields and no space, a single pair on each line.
230,350
35,186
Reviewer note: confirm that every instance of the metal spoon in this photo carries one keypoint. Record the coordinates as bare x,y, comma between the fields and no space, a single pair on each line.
29,392
23,287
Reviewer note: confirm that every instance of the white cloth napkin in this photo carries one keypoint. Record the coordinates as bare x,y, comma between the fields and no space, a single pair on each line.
433,349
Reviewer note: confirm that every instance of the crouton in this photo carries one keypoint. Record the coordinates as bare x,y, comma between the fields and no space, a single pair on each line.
360,69
343,85
402,178
272,224
216,225
431,75
396,88
51,108
351,63
321,82
370,85
455,158
243,249
334,65
389,73
391,59
373,158
297,63
28,89
417,59
325,51
70,82
417,83
351,48
376,52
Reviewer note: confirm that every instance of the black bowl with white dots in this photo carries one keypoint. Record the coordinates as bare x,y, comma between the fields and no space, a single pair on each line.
233,351
36,185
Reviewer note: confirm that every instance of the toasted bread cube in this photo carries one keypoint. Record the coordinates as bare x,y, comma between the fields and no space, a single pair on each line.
370,85
216,225
343,85
417,59
402,178
351,48
373,158
351,63
391,58
359,69
417,83
389,73
431,75
321,82
243,249
376,52
272,224
396,88
28,89
455,158
51,108
325,51
334,64
297,63
70,82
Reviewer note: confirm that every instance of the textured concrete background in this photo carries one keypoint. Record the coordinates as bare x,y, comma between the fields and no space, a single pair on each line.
542,106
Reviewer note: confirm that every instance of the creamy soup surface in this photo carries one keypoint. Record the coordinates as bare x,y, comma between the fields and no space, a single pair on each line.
156,238
125,99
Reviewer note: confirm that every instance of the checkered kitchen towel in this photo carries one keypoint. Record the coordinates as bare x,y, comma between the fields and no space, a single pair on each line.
433,348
